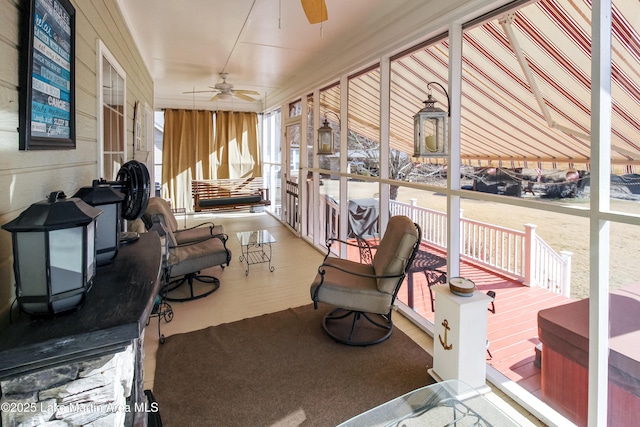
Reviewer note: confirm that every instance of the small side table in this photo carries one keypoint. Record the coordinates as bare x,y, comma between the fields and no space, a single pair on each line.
253,245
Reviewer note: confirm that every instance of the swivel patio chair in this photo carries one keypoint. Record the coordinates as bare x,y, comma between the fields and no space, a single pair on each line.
364,294
158,205
189,251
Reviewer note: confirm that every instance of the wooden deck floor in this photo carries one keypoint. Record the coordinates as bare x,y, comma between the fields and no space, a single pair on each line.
512,330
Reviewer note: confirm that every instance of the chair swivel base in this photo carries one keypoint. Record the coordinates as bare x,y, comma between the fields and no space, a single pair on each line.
357,328
211,284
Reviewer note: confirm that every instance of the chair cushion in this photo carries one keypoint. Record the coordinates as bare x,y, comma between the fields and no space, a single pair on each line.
191,258
351,291
394,251
158,205
234,200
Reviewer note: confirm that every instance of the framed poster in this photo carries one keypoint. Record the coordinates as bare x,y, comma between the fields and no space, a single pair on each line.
47,76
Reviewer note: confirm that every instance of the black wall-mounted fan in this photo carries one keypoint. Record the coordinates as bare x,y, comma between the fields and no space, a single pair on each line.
125,198
134,182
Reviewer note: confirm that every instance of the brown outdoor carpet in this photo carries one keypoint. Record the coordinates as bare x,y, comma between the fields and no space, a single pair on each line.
280,369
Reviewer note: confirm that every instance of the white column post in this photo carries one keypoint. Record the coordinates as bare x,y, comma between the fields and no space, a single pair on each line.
530,256
318,225
453,173
599,229
344,150
304,167
385,126
566,273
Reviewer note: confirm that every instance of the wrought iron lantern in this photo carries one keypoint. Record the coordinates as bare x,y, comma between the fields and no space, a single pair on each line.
103,196
326,143
54,255
431,128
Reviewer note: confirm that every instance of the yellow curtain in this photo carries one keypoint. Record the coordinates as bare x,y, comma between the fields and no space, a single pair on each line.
187,148
237,151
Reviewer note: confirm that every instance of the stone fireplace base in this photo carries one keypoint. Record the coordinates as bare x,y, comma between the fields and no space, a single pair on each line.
103,391
85,368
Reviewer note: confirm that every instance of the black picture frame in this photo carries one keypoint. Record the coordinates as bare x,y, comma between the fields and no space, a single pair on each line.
47,119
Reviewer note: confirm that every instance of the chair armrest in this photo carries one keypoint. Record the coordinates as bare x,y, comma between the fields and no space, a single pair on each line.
210,224
372,276
222,237
331,240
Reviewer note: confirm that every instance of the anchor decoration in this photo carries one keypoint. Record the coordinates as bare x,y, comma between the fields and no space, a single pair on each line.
446,346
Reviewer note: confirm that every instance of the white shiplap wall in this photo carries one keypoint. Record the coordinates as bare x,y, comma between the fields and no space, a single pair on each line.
28,176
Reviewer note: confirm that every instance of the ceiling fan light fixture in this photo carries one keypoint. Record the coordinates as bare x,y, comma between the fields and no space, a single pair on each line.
224,91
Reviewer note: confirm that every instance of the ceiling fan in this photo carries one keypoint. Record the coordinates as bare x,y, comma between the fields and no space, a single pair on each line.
225,91
316,10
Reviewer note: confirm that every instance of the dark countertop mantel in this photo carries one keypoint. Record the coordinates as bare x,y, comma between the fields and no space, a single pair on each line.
114,313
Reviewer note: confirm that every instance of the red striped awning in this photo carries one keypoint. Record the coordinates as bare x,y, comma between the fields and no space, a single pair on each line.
502,120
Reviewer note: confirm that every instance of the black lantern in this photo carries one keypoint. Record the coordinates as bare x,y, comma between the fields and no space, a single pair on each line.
326,144
54,255
431,127
103,196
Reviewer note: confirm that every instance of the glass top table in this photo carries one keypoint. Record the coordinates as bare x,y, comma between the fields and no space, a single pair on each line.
254,245
447,403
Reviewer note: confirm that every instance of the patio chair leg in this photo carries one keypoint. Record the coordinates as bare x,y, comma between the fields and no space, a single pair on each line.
337,330
211,284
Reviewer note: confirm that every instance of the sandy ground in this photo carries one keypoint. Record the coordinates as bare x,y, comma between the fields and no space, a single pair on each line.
562,232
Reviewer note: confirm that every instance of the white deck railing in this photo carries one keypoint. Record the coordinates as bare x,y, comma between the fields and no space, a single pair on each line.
495,247
550,270
521,254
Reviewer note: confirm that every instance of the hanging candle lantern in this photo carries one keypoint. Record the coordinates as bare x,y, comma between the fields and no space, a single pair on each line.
431,127
326,144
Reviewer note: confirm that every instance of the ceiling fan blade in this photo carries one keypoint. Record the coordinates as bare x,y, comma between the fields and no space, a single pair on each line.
316,10
243,97
246,92
215,97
